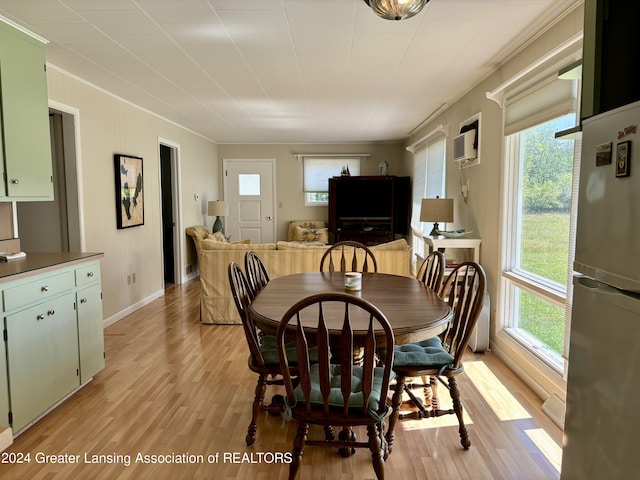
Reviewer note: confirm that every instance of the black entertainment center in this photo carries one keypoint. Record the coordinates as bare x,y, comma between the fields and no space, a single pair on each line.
369,209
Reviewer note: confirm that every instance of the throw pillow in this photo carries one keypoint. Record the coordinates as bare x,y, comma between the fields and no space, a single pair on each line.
218,237
302,234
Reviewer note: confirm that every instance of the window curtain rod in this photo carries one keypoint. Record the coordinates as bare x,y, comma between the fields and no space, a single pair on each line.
302,156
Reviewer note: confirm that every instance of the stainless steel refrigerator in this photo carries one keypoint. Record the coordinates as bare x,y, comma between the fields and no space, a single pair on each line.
602,421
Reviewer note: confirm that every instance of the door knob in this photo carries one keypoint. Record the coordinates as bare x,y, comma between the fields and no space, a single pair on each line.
269,218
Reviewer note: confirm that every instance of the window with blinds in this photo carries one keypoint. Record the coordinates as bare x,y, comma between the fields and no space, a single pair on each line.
317,171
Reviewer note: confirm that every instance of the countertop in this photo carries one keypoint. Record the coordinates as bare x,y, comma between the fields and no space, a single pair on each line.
42,262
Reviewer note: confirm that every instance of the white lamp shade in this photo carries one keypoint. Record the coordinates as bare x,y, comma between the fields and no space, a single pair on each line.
436,210
219,208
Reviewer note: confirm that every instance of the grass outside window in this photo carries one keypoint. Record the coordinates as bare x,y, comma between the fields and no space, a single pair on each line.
545,237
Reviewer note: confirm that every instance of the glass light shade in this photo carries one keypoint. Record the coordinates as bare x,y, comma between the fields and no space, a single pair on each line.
396,9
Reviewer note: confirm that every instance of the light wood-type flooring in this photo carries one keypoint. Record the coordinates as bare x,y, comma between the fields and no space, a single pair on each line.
174,389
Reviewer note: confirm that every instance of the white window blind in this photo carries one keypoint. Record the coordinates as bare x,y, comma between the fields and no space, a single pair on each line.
317,171
428,178
545,102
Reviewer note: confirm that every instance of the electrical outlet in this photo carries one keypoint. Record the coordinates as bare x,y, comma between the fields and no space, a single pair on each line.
189,268
133,276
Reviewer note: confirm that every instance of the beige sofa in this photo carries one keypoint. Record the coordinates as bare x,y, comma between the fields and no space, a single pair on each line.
281,258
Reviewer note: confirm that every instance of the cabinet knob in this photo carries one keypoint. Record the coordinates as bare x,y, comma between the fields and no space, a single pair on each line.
51,312
90,274
83,300
45,288
40,316
15,181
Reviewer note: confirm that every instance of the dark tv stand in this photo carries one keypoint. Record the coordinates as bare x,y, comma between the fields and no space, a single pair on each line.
378,218
368,233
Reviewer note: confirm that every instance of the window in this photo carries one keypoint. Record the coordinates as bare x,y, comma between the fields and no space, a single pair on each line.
539,219
317,170
428,182
249,184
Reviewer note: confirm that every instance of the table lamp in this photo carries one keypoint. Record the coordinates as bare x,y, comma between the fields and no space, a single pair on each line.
436,210
218,209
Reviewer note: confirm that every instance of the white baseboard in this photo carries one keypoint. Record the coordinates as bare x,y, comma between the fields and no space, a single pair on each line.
549,386
6,438
132,308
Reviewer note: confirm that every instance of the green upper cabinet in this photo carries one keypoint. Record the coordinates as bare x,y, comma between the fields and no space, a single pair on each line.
26,149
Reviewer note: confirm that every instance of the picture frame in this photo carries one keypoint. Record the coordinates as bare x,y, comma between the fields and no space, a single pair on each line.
129,182
623,159
603,154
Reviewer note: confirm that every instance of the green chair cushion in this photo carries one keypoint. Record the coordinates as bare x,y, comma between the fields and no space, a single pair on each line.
356,397
427,353
270,351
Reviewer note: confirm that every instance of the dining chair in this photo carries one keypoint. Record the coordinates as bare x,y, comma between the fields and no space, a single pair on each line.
263,356
430,273
432,270
441,357
342,395
347,249
257,276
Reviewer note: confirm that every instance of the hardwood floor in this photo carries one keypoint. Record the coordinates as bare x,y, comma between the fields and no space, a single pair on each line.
173,386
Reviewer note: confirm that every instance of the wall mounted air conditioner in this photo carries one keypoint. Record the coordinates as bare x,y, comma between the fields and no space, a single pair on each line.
463,147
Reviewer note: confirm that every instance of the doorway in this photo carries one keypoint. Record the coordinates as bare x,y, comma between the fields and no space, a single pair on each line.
54,226
168,154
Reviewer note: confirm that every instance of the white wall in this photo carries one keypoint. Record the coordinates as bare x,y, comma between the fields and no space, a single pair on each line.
108,125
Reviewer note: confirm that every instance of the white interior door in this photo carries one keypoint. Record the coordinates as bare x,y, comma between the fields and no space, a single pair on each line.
249,187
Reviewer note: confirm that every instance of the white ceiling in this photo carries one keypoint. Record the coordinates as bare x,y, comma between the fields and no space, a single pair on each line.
282,71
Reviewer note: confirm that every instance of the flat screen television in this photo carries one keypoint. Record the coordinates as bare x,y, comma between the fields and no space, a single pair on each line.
364,200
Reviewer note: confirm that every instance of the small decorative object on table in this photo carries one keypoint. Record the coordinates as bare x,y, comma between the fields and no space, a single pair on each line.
453,233
353,281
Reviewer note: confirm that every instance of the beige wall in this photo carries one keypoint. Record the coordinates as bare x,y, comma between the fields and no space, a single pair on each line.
289,172
108,125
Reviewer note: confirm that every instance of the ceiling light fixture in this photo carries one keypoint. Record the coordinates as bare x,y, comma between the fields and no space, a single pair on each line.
396,9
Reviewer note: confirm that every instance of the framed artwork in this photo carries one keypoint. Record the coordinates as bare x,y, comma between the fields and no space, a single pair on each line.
603,154
129,191
623,158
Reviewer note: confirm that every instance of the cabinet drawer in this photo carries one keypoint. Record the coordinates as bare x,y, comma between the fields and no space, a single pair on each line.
87,274
37,290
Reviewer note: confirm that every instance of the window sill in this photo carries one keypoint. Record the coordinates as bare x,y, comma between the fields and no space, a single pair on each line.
538,349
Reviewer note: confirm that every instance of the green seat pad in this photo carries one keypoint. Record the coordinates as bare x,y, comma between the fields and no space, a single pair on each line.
427,353
356,397
270,351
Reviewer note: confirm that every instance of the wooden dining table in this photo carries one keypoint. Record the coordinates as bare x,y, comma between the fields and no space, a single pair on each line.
414,311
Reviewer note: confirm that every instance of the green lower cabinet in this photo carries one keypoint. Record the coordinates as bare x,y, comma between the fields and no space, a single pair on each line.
90,331
42,357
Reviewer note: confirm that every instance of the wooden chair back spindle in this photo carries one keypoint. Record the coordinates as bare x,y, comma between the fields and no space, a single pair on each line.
349,261
431,271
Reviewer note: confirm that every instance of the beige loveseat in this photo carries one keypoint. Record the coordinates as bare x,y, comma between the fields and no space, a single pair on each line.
281,258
